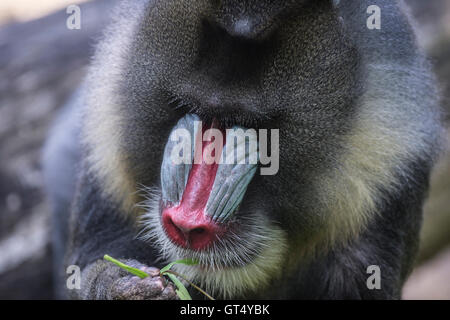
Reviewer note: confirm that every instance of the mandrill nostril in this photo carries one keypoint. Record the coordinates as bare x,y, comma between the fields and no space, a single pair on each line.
177,234
195,231
198,231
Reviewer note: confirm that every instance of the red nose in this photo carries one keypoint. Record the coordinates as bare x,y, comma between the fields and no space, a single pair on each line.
193,231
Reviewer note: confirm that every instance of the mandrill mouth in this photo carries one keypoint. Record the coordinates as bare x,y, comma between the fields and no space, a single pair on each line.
245,258
239,244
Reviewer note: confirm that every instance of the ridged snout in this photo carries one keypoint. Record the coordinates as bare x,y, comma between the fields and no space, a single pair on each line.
200,196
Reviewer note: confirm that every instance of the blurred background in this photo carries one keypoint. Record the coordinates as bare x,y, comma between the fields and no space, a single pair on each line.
41,62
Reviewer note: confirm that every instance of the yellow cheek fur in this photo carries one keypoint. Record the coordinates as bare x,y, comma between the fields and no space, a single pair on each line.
102,119
389,131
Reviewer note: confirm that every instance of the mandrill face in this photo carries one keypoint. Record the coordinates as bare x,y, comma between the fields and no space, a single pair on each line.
249,65
283,145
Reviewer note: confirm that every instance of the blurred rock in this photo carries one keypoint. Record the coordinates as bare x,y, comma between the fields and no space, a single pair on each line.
431,280
41,63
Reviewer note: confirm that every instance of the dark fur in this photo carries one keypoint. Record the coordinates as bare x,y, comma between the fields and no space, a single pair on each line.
303,75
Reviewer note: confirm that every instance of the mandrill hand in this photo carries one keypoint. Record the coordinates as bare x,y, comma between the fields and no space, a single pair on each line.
105,281
153,287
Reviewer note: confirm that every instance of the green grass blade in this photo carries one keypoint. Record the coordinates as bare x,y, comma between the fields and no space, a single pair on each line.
181,290
141,274
191,283
187,262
